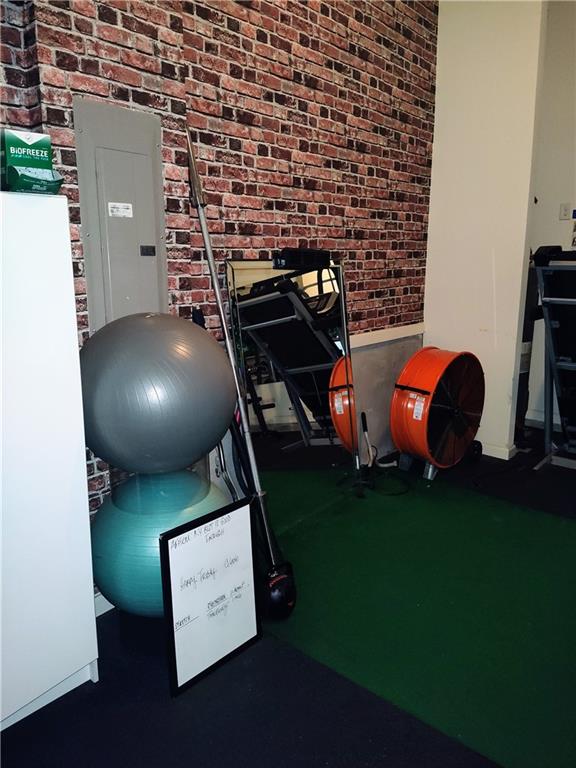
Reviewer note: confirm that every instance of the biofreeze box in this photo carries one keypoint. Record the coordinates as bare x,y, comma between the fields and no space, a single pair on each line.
26,162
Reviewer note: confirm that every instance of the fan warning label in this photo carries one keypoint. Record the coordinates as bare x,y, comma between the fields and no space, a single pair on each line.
418,408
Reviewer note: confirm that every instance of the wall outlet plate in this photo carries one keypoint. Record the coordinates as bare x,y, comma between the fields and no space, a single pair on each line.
565,211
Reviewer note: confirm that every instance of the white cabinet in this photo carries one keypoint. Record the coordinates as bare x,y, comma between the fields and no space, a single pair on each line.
47,601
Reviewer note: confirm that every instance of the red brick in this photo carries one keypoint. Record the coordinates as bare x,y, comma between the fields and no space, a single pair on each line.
85,8
177,221
148,12
16,116
140,61
57,96
97,483
59,38
121,74
84,26
11,36
62,137
106,51
144,44
80,286
176,173
44,54
88,84
6,54
52,76
52,16
18,97
175,89
114,34
169,37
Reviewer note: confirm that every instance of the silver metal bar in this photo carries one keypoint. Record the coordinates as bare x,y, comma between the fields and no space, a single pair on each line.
261,299
198,199
563,461
311,442
543,462
299,412
554,300
551,377
347,353
548,400
302,312
232,291
310,368
224,471
325,441
268,323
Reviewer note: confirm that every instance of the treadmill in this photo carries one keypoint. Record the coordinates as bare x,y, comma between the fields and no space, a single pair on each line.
302,337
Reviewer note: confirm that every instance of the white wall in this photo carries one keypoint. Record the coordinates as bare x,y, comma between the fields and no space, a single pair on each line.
554,169
487,71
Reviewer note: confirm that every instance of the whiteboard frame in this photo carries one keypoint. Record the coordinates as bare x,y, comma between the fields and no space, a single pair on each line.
164,541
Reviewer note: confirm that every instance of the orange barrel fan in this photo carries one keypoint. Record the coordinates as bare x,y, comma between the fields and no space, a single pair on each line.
437,405
341,399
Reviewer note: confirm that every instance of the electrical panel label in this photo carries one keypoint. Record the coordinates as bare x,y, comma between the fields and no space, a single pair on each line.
121,210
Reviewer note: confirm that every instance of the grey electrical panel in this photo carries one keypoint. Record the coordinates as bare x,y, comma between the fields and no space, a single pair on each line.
122,210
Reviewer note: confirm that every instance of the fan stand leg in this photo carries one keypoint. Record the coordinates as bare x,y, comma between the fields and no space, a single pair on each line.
360,481
430,472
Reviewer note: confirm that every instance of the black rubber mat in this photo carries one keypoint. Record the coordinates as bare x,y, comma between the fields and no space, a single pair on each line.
550,489
270,707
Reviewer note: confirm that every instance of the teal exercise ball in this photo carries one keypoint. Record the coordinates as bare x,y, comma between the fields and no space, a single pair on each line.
158,392
125,531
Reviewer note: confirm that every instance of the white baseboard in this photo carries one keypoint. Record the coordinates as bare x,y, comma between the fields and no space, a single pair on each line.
83,675
499,451
101,605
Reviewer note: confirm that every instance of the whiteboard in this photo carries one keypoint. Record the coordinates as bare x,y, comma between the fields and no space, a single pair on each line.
208,587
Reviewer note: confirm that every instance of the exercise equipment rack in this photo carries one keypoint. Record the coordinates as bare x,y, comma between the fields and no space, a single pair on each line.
302,337
556,272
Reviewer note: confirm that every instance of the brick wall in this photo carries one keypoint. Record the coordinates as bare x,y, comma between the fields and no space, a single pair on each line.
19,80
313,124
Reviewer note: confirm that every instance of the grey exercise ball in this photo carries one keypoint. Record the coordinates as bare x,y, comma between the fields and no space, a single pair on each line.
158,392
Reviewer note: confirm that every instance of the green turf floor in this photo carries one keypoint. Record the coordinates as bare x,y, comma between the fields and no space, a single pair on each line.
456,607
